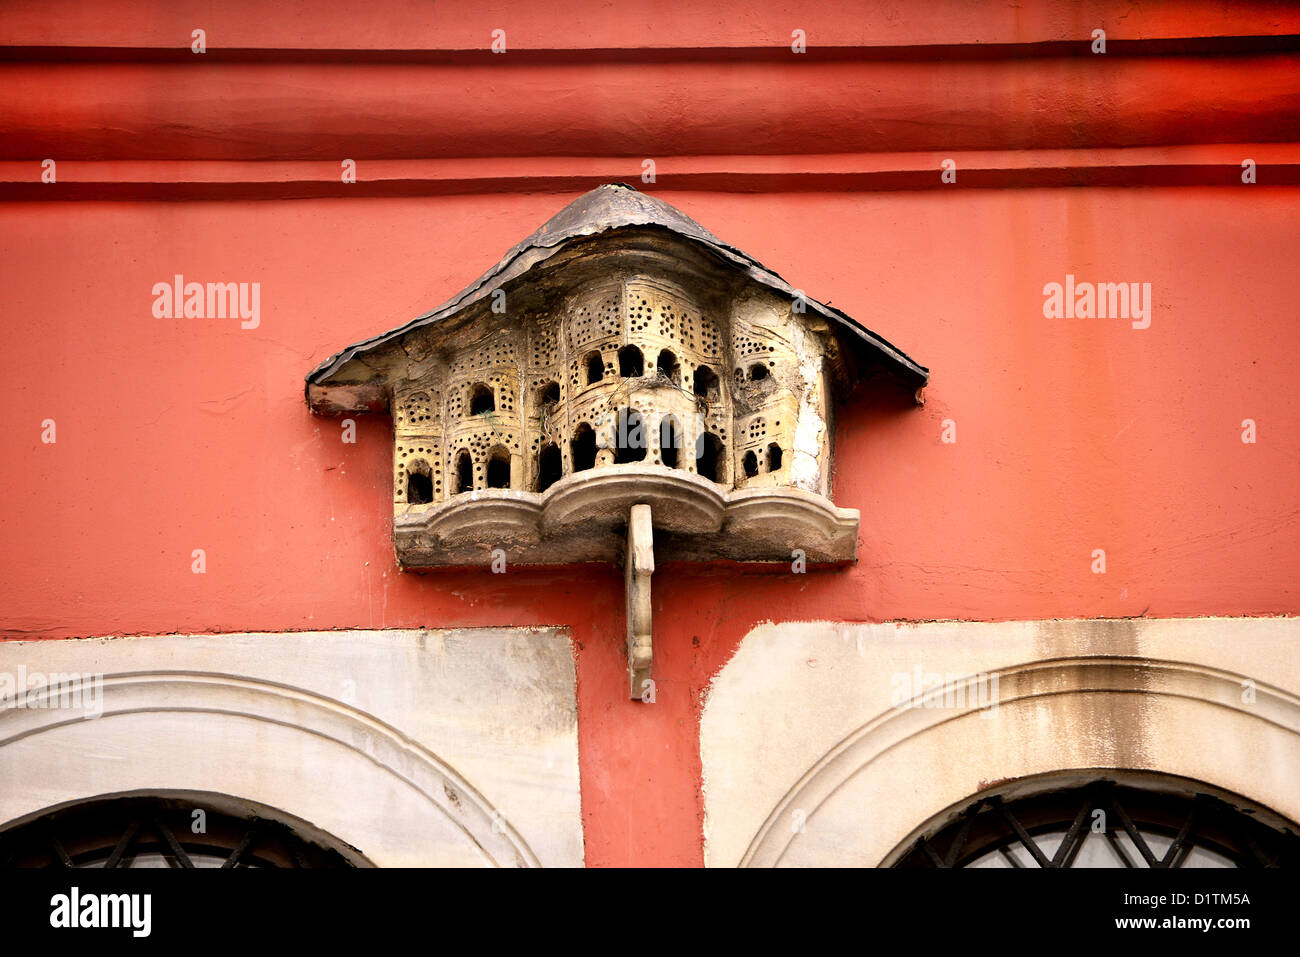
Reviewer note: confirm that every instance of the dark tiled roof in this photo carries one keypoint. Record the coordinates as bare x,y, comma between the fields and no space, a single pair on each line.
618,206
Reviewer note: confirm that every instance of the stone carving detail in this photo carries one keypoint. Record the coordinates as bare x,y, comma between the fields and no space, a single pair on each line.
620,357
638,566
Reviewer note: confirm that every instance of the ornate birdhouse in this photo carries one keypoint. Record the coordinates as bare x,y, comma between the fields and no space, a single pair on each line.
622,386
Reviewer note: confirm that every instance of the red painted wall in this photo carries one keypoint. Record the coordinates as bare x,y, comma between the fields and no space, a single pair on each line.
1072,434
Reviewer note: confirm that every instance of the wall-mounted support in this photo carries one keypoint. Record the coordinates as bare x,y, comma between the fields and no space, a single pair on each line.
643,366
638,566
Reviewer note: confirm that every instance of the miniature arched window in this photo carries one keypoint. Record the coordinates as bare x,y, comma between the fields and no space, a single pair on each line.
709,452
595,367
550,466
583,448
549,393
630,362
148,830
464,472
1131,826
498,468
750,463
668,366
706,383
419,483
773,457
631,440
670,441
481,399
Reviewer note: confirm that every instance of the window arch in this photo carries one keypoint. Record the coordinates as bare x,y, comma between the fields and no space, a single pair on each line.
481,399
774,457
670,441
668,366
595,367
630,440
631,363
498,467
419,483
550,466
148,831
709,456
582,449
706,383
549,393
750,464
1104,823
464,472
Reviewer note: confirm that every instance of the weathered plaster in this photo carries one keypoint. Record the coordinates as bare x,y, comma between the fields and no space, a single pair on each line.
808,760
416,748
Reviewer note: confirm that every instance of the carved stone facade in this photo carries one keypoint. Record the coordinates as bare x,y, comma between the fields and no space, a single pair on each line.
621,355
641,365
621,362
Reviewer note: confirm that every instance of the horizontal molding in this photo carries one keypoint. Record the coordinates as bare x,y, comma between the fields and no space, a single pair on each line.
1199,46
1277,164
587,24
210,110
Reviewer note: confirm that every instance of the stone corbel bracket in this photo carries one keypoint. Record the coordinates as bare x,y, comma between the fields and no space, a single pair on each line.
627,513
637,568
583,517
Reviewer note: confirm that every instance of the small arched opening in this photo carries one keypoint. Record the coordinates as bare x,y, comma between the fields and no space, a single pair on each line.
481,399
670,441
630,362
419,483
548,394
630,442
708,457
668,366
550,467
583,448
464,472
498,468
706,383
595,367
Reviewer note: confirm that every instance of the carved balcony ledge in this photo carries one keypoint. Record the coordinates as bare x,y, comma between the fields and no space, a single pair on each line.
622,386
584,517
